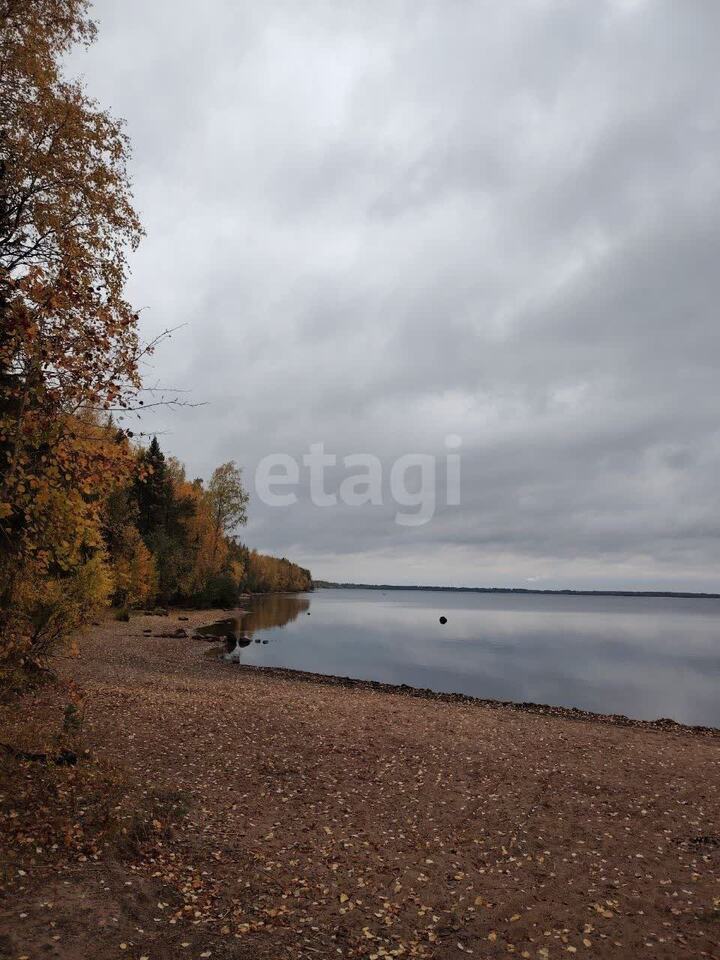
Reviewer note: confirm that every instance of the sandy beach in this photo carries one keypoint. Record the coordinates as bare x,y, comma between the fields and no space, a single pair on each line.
227,812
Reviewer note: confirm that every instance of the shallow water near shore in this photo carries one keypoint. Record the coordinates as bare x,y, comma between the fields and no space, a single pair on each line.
646,657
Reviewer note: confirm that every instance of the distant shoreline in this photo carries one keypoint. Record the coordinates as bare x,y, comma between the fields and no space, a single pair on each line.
680,595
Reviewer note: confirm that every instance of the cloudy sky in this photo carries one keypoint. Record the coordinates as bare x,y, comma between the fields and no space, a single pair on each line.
386,223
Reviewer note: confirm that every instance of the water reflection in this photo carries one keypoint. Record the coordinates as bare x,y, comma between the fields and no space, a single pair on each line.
262,613
274,610
646,657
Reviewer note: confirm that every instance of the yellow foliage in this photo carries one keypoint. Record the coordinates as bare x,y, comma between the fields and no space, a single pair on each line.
57,577
266,574
134,572
68,338
209,546
54,608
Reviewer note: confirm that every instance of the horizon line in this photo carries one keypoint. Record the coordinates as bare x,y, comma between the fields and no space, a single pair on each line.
681,594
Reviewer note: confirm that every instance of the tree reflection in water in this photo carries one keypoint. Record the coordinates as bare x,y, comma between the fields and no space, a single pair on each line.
262,613
273,610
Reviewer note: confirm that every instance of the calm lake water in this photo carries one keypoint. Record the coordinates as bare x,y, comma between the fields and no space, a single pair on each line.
640,656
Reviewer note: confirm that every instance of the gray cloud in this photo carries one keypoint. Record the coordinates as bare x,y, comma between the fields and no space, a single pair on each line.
384,224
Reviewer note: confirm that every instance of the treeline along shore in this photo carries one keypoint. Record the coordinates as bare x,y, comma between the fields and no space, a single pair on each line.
172,541
88,516
331,585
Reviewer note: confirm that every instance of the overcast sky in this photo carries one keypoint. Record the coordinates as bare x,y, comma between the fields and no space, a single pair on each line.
388,222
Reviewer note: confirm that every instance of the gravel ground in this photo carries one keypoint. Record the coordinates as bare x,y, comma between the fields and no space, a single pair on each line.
228,812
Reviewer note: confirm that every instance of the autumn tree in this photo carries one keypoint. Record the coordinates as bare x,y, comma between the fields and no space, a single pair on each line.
153,489
132,565
172,540
84,516
228,500
69,345
228,497
209,555
266,574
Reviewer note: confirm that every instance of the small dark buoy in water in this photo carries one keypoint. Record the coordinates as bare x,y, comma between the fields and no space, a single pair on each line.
443,619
